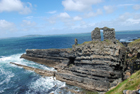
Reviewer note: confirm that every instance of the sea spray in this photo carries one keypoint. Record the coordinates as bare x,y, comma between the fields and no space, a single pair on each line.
25,81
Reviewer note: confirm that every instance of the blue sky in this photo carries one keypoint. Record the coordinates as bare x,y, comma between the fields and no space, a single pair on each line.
46,17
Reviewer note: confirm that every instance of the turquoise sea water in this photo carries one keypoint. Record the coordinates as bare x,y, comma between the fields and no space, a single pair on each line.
16,80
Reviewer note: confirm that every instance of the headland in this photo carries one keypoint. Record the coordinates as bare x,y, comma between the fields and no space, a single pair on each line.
93,65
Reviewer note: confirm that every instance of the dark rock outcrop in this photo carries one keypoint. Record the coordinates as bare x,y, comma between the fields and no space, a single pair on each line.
49,57
93,65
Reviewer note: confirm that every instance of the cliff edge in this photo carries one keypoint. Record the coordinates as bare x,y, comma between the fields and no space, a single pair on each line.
93,65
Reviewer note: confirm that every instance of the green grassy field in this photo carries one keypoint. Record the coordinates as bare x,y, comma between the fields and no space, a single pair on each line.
131,83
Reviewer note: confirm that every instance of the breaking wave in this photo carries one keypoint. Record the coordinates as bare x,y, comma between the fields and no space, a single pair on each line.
14,79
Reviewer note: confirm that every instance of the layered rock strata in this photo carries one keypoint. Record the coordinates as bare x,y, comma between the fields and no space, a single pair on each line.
49,57
92,65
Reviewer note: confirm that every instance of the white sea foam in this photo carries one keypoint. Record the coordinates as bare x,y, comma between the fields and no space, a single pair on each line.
16,58
5,78
3,58
42,84
125,40
45,84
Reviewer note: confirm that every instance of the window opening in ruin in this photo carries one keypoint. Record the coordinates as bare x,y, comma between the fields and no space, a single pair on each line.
101,33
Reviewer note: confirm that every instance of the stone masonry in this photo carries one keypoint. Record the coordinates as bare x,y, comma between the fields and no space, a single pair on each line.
108,34
95,34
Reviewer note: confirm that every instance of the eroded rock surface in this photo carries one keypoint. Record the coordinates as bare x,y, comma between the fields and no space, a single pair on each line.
49,57
92,65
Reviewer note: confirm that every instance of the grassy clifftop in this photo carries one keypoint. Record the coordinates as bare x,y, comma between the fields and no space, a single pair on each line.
132,83
105,42
134,43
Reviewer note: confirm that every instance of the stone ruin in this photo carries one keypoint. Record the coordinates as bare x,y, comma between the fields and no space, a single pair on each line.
108,34
95,34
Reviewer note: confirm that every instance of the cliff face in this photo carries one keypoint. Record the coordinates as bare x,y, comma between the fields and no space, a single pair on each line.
49,57
102,57
91,65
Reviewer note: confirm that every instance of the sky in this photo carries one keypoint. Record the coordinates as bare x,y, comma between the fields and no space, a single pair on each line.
48,17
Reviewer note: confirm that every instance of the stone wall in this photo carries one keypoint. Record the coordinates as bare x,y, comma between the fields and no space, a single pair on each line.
95,34
108,34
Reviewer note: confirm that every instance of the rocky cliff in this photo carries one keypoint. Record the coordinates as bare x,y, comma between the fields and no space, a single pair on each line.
49,57
93,65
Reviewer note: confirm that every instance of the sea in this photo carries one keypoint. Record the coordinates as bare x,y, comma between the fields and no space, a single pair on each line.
16,80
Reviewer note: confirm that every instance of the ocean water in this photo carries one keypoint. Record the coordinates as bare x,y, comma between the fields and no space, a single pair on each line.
16,80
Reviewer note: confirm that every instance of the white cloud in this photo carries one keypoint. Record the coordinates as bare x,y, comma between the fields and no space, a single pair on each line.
6,26
133,21
124,5
109,9
52,20
136,7
77,18
64,15
15,5
124,16
52,12
29,17
83,25
28,26
92,14
79,5
28,23
126,21
137,16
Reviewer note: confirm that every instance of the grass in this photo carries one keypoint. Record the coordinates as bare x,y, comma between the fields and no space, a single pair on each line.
131,83
120,43
86,42
105,42
134,43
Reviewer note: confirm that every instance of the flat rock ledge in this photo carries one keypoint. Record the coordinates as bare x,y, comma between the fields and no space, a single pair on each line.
86,83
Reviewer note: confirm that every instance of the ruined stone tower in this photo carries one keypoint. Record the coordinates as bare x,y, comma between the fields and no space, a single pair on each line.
108,34
95,34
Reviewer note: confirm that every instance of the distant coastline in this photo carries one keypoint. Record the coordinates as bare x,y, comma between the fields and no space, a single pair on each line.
69,34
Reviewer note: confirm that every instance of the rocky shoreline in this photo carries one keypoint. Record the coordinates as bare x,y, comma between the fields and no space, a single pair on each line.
91,69
94,65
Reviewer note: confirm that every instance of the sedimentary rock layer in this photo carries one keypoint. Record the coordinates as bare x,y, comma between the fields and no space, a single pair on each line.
68,78
92,65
